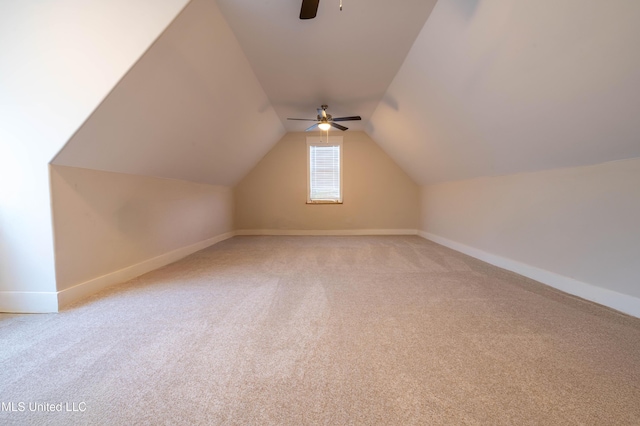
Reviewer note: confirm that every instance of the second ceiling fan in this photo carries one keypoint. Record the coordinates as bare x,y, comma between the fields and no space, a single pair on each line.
326,121
309,8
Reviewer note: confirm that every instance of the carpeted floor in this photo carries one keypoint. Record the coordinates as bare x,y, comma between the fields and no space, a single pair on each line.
391,330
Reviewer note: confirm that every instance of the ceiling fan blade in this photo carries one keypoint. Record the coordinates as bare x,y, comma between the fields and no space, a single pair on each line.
303,119
337,126
353,118
309,9
315,126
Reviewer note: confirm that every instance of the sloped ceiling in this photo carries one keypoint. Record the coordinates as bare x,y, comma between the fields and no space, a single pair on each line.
190,109
494,87
488,87
58,60
345,59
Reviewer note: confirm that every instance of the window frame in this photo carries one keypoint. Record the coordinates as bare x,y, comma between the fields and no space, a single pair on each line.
324,141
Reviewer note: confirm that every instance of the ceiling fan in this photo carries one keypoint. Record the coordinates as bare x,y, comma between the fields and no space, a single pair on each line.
326,121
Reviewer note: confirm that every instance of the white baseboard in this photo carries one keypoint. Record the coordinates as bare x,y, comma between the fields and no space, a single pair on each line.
326,232
28,302
612,299
92,286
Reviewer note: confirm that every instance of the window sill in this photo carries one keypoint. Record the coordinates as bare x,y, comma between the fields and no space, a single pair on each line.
323,202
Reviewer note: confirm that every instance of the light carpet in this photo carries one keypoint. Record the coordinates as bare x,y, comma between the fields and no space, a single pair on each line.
324,330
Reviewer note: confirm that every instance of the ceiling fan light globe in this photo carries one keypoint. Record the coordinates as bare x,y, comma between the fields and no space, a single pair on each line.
324,126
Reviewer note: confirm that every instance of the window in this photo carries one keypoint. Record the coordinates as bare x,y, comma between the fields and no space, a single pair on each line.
324,170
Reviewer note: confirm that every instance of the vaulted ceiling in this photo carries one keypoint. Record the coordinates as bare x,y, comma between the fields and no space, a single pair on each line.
464,89
345,59
191,108
496,87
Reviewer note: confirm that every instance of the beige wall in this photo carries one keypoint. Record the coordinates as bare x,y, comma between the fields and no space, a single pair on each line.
582,223
377,193
104,221
59,59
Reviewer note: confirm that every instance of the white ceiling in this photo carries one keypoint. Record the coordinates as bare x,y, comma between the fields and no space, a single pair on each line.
500,87
345,59
484,87
191,108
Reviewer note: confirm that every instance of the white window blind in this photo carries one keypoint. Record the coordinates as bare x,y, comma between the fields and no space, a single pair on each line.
324,172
